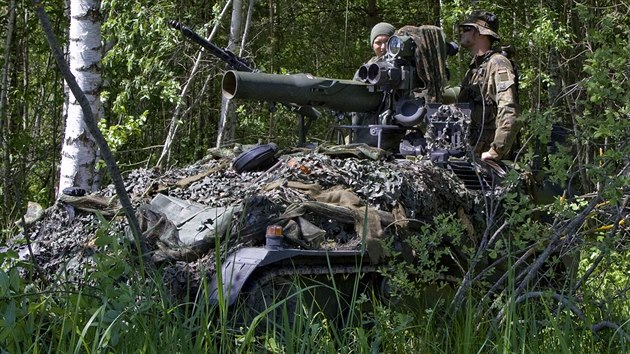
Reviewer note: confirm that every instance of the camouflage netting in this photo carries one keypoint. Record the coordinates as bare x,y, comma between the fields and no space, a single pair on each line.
430,57
303,188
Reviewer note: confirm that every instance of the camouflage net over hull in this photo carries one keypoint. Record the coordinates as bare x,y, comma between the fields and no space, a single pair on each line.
303,188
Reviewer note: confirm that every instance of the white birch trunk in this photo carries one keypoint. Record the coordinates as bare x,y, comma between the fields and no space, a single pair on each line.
79,151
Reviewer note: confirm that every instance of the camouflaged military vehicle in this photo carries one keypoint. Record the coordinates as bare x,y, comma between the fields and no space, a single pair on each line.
412,119
334,217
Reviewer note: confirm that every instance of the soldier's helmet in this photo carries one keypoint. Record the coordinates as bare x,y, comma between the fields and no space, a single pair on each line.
485,22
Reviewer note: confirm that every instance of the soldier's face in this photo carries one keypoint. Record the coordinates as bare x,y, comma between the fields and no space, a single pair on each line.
468,35
380,45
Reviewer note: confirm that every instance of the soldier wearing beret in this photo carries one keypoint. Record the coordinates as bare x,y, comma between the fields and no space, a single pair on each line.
490,86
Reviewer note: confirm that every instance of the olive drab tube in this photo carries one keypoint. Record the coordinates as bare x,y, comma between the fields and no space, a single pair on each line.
302,89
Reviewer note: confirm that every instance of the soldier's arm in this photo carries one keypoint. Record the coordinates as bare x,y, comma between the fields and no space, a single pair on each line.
507,107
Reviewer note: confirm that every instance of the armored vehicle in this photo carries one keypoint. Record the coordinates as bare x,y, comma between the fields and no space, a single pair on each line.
412,116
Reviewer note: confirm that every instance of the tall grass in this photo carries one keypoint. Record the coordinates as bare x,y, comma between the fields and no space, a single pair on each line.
114,309
140,316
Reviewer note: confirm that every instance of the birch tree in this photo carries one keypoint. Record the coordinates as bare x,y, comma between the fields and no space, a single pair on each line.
79,150
90,125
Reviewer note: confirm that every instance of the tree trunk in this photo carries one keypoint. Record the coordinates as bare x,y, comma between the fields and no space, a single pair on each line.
91,126
79,152
4,92
248,22
372,15
227,121
437,13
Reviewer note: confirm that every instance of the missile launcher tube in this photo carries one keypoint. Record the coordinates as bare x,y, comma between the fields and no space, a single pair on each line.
303,90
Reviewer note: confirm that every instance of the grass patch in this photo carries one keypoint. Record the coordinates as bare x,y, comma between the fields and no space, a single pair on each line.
114,309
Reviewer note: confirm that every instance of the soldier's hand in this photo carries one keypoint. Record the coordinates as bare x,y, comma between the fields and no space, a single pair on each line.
487,156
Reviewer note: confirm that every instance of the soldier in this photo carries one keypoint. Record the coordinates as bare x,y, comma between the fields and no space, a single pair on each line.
490,86
378,40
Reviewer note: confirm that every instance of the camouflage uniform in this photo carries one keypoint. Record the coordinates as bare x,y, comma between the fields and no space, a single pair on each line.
490,87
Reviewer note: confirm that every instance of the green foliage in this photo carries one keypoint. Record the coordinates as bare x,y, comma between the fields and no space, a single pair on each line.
434,258
604,126
546,30
119,134
113,309
31,114
139,62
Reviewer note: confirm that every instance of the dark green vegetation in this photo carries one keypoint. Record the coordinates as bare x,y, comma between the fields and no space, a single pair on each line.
574,64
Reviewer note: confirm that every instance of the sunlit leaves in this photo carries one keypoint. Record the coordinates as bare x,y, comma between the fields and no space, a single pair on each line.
138,61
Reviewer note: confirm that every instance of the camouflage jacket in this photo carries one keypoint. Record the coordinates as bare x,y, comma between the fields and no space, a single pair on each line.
490,86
